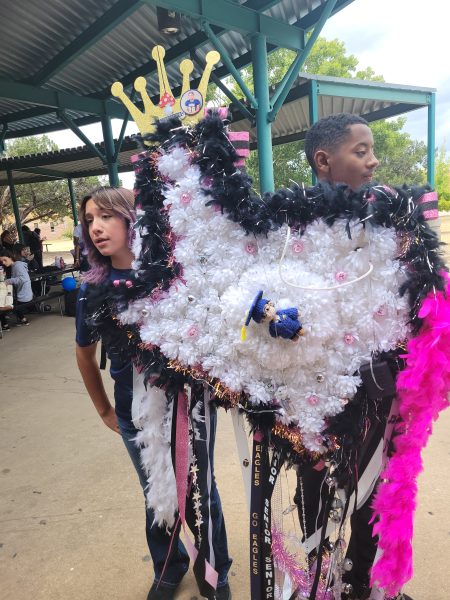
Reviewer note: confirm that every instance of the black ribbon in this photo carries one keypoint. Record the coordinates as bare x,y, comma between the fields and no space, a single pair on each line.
264,476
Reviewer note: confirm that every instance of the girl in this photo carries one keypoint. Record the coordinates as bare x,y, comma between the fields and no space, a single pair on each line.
20,279
107,219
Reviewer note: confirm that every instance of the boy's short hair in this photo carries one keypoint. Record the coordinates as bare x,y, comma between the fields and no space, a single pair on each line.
328,133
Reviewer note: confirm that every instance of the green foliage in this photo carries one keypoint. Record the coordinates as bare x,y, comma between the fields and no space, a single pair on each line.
44,201
442,178
402,159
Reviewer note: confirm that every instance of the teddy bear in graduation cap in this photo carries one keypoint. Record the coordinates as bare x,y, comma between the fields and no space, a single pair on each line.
282,323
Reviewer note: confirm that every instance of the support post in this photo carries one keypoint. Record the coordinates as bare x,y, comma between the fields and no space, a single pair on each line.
110,151
431,142
313,114
263,127
12,193
2,138
73,203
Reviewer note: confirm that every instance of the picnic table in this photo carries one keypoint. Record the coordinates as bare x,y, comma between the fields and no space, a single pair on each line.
46,244
52,276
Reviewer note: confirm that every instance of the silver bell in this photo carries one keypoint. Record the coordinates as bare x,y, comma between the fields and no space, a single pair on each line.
191,298
144,312
320,377
348,564
347,588
337,503
330,481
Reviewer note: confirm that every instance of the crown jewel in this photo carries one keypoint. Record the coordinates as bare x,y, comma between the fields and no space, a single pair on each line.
189,105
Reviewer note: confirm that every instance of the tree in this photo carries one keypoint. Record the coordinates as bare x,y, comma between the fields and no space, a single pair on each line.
402,159
442,178
46,201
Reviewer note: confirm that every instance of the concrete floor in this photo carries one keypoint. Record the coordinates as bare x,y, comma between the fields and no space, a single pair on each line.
71,510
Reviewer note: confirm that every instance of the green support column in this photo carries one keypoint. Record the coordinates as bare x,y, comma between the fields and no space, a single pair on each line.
313,114
110,150
12,191
73,203
263,127
431,138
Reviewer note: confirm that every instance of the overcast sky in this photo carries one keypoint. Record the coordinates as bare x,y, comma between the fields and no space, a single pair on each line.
406,41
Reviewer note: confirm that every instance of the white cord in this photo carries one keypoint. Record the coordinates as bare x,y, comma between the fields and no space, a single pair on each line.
314,288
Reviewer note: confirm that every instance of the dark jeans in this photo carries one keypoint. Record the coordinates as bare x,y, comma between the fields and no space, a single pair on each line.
159,539
20,313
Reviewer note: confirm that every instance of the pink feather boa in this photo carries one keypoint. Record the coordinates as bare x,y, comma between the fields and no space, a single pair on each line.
422,390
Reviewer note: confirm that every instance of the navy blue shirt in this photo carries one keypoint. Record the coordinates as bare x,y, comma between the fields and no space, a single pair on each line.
121,372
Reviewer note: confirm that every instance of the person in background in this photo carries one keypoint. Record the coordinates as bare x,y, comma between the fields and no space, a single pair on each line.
31,240
24,254
7,240
38,255
20,279
80,251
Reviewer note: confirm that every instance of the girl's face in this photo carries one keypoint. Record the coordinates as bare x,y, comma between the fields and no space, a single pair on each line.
6,261
107,230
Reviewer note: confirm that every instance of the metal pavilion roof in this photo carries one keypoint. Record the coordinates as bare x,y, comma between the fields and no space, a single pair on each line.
70,163
334,95
80,47
372,100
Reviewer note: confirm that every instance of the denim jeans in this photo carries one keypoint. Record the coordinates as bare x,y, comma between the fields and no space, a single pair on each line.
159,540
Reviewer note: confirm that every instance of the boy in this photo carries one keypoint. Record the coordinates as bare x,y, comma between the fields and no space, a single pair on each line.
340,150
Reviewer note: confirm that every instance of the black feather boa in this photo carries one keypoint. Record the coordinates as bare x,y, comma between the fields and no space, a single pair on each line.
231,190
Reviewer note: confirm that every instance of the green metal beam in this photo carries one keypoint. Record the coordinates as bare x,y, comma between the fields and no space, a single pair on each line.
101,26
286,83
123,128
12,193
192,42
23,92
431,142
51,174
110,151
373,92
313,114
229,63
73,203
263,127
77,131
236,17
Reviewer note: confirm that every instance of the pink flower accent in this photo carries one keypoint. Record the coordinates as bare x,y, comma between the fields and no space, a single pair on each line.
371,198
116,282
129,283
185,198
340,276
298,247
313,399
349,338
207,181
250,248
192,331
381,311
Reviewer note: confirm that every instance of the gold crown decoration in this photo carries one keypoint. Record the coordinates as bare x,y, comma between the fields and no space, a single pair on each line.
188,106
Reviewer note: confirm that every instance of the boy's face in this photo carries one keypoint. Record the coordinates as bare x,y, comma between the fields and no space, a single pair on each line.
352,162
